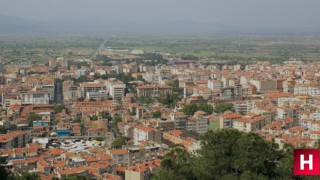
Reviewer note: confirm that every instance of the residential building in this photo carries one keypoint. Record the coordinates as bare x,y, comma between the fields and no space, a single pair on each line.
151,90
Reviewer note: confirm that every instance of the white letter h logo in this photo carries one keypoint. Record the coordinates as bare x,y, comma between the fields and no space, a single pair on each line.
303,162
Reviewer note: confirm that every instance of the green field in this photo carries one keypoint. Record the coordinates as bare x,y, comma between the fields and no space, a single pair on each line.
235,48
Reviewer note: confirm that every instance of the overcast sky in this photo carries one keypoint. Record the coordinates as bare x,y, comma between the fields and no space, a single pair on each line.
251,13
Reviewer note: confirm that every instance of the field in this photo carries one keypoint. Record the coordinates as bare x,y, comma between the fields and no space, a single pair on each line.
234,48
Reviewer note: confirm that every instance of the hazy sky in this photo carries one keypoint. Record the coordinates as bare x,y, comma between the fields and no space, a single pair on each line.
251,13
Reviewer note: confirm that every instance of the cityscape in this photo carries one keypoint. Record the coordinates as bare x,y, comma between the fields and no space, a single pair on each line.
181,100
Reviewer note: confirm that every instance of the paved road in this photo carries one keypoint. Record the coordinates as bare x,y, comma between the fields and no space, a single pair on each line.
99,49
58,96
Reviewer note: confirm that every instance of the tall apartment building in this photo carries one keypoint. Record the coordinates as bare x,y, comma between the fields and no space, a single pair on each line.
215,85
116,88
70,90
143,133
152,90
140,154
91,87
179,119
98,95
47,88
227,119
34,97
198,123
14,139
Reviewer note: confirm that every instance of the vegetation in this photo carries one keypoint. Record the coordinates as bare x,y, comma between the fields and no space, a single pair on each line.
222,107
156,114
27,176
116,119
80,99
59,108
93,118
33,117
170,100
4,174
2,130
119,142
82,79
78,64
153,59
175,87
190,109
125,78
146,100
76,177
229,154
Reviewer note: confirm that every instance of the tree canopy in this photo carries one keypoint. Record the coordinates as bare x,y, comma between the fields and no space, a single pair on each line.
222,107
33,117
229,154
119,142
156,114
58,108
170,100
190,109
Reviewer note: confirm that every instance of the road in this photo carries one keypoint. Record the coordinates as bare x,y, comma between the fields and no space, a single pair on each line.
58,95
99,49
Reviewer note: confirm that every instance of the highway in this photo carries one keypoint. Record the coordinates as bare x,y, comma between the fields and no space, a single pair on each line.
99,49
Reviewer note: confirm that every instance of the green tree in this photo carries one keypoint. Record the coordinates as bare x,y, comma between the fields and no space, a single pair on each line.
83,128
59,108
176,165
76,177
93,118
190,109
80,99
156,114
206,108
170,100
3,160
119,142
2,130
4,174
116,119
222,107
28,176
230,154
145,100
33,117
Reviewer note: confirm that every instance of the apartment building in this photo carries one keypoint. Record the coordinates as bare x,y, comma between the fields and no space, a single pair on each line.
140,154
180,120
249,124
14,139
152,90
119,156
215,85
227,119
70,90
143,133
34,97
91,87
116,88
198,123
101,94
